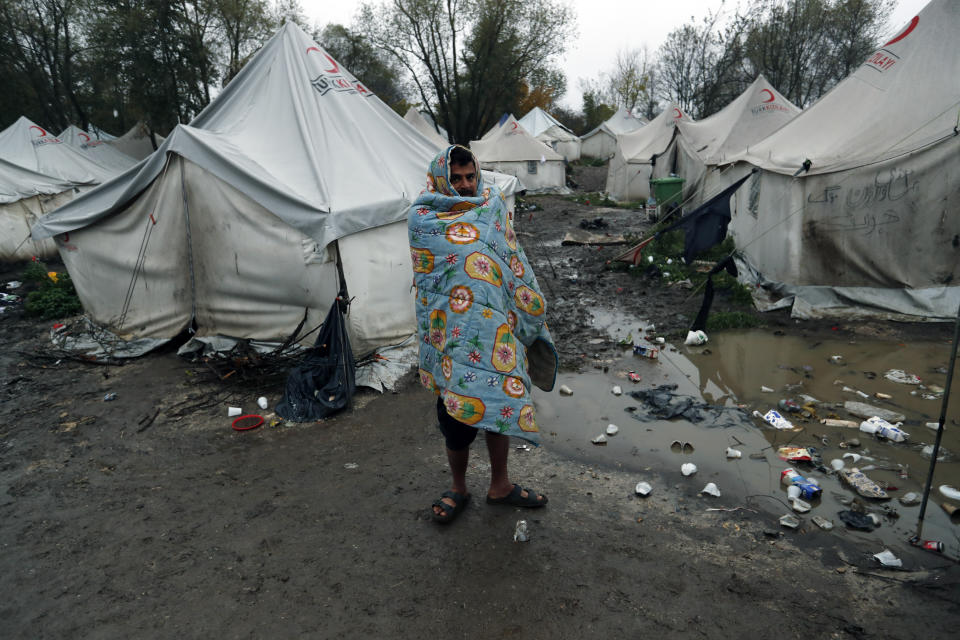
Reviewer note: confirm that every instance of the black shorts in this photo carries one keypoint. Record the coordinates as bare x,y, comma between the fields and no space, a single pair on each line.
459,436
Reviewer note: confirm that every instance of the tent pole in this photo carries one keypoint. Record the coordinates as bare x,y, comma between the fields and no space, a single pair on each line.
943,417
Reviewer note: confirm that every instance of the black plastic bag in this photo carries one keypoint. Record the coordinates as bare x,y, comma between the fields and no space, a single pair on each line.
324,382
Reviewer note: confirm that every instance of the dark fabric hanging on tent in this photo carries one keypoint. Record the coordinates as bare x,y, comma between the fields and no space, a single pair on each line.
700,322
324,382
706,226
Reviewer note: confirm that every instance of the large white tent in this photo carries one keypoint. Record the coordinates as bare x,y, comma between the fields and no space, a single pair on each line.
136,142
233,225
25,196
550,131
643,154
97,150
30,146
869,223
510,149
602,141
421,124
747,119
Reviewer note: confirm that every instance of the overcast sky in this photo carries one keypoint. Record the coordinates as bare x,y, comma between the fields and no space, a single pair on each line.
605,27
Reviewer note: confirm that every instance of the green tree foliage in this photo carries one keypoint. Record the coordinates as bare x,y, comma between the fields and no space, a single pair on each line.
596,110
468,59
377,72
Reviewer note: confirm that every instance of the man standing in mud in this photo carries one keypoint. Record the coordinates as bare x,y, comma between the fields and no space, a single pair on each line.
481,324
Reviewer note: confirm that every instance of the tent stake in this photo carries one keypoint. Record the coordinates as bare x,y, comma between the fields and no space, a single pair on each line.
943,417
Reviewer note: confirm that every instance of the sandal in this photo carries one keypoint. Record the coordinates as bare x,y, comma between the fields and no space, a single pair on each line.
516,498
449,512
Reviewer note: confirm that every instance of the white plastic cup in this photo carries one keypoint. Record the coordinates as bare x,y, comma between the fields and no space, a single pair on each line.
793,492
234,411
262,402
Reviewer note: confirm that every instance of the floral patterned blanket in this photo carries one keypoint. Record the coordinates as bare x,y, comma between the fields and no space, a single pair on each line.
481,316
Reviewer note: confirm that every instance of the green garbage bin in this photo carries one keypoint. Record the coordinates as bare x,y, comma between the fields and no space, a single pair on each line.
667,191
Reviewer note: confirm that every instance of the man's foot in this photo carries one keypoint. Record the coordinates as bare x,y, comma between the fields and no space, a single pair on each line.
449,506
519,497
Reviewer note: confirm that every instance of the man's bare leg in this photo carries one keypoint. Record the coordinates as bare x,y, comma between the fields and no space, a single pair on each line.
498,446
458,469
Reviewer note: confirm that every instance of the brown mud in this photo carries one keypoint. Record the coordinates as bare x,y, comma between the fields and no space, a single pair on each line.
148,516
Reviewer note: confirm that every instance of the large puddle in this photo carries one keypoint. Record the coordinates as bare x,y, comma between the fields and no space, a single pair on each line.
733,370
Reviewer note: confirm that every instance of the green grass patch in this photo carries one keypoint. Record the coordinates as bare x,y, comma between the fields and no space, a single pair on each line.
55,296
721,320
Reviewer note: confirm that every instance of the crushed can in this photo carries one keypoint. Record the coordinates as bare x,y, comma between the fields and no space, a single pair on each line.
522,532
929,545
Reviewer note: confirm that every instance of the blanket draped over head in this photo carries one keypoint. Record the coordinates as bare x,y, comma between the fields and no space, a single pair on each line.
480,315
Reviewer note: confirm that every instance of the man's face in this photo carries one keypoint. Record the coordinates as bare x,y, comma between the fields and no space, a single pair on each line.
463,178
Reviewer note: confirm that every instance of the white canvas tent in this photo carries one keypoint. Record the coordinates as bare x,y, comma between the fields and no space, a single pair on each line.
747,119
641,155
25,196
136,142
548,130
97,150
231,225
511,150
32,147
602,141
872,225
421,124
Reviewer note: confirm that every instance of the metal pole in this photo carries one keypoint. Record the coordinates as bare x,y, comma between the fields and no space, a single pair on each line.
943,417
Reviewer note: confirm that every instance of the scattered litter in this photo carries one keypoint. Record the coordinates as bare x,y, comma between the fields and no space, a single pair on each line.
857,520
661,340
617,391
833,422
776,420
856,391
934,425
882,428
887,559
565,390
862,484
14,284
523,447
521,533
789,521
633,377
800,506
950,508
600,439
851,443
688,468
942,453
836,464
110,396
837,359
883,396
262,402
733,453
685,447
929,545
901,376
794,454
809,487
910,498
766,389
949,492
855,457
351,465
612,429
711,489
695,338
234,411
863,410
643,488
822,522
9,297
647,352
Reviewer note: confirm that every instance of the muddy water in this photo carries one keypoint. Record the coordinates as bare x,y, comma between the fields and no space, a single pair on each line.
732,370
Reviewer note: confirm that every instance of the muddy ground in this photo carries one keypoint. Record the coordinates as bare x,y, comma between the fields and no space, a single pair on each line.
148,516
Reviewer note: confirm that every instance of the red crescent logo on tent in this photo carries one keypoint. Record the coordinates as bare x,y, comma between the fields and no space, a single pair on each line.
42,132
678,112
514,126
309,49
85,137
771,95
905,32
335,68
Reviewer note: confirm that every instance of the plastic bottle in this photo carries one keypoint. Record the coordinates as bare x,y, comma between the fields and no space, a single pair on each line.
808,487
647,352
774,419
